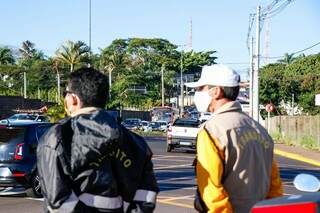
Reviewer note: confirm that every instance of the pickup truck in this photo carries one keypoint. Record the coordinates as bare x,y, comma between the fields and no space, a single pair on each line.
182,133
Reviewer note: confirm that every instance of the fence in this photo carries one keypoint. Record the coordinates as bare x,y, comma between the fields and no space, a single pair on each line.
10,104
297,130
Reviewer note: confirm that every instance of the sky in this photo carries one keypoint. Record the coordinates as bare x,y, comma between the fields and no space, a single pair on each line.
216,25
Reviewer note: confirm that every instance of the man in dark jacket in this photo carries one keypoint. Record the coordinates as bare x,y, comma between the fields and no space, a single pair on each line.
90,163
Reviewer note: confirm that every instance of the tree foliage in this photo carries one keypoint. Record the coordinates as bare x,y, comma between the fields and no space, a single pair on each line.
301,78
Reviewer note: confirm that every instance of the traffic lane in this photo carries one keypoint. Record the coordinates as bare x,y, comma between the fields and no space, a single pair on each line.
176,175
289,169
14,204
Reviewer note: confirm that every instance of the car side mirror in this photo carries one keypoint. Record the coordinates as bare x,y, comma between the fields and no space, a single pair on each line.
307,183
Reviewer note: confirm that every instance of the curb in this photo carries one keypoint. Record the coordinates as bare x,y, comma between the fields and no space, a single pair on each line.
296,157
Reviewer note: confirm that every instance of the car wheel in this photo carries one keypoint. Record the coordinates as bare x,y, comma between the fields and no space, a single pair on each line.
169,147
35,190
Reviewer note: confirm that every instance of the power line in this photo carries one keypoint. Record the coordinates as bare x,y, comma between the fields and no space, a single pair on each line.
294,53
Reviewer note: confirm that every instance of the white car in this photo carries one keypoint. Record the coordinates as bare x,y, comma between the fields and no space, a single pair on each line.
23,118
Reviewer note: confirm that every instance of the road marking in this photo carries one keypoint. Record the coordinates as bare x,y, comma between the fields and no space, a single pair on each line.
178,188
296,157
188,197
294,166
175,179
176,204
175,166
163,159
37,199
171,156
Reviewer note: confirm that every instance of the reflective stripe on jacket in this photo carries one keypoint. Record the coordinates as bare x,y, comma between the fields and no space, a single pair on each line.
235,167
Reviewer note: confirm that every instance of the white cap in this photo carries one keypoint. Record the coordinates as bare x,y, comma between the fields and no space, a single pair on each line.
217,75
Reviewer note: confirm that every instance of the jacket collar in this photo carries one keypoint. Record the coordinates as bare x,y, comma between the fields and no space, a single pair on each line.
228,107
85,110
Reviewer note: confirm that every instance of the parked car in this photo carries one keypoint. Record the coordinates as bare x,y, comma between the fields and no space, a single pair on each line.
182,133
145,126
132,123
155,126
18,145
23,118
163,125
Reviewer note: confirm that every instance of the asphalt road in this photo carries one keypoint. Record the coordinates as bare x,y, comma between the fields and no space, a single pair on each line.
176,179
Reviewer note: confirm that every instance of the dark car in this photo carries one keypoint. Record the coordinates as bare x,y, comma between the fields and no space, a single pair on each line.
18,147
132,123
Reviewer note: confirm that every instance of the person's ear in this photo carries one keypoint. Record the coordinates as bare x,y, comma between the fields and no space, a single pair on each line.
216,92
75,100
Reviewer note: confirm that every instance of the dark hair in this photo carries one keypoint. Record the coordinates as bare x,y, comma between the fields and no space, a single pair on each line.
231,93
90,85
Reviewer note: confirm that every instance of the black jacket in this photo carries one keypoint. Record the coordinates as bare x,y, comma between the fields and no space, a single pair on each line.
90,163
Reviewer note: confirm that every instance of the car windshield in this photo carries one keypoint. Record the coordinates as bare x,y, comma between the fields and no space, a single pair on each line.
22,117
131,122
154,124
7,134
186,123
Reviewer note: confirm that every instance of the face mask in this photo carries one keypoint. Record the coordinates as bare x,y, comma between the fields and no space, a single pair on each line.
202,100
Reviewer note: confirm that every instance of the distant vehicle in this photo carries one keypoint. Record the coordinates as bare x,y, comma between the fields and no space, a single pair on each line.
145,126
204,116
132,123
194,115
18,146
155,126
163,125
182,133
24,118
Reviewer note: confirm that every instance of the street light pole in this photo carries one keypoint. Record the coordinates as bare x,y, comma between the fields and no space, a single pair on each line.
181,85
256,70
89,65
90,25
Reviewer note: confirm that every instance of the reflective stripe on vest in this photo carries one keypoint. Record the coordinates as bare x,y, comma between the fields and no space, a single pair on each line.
101,202
145,195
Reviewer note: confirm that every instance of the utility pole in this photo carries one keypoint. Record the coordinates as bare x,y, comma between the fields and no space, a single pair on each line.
292,105
162,85
251,79
58,82
24,84
181,85
90,25
110,83
256,70
89,65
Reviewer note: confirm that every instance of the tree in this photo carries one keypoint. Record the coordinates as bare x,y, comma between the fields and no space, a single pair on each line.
73,53
287,59
6,56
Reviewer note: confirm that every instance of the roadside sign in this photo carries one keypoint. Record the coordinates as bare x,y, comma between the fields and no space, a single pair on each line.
317,100
270,107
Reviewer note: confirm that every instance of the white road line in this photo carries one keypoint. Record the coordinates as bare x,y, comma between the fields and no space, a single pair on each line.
163,159
297,166
174,166
37,199
175,179
178,188
172,156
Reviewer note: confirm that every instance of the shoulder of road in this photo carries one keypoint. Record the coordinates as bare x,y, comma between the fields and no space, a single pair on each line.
298,153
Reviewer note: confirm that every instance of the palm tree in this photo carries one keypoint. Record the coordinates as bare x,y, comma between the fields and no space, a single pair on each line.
112,61
27,49
287,59
6,56
72,53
